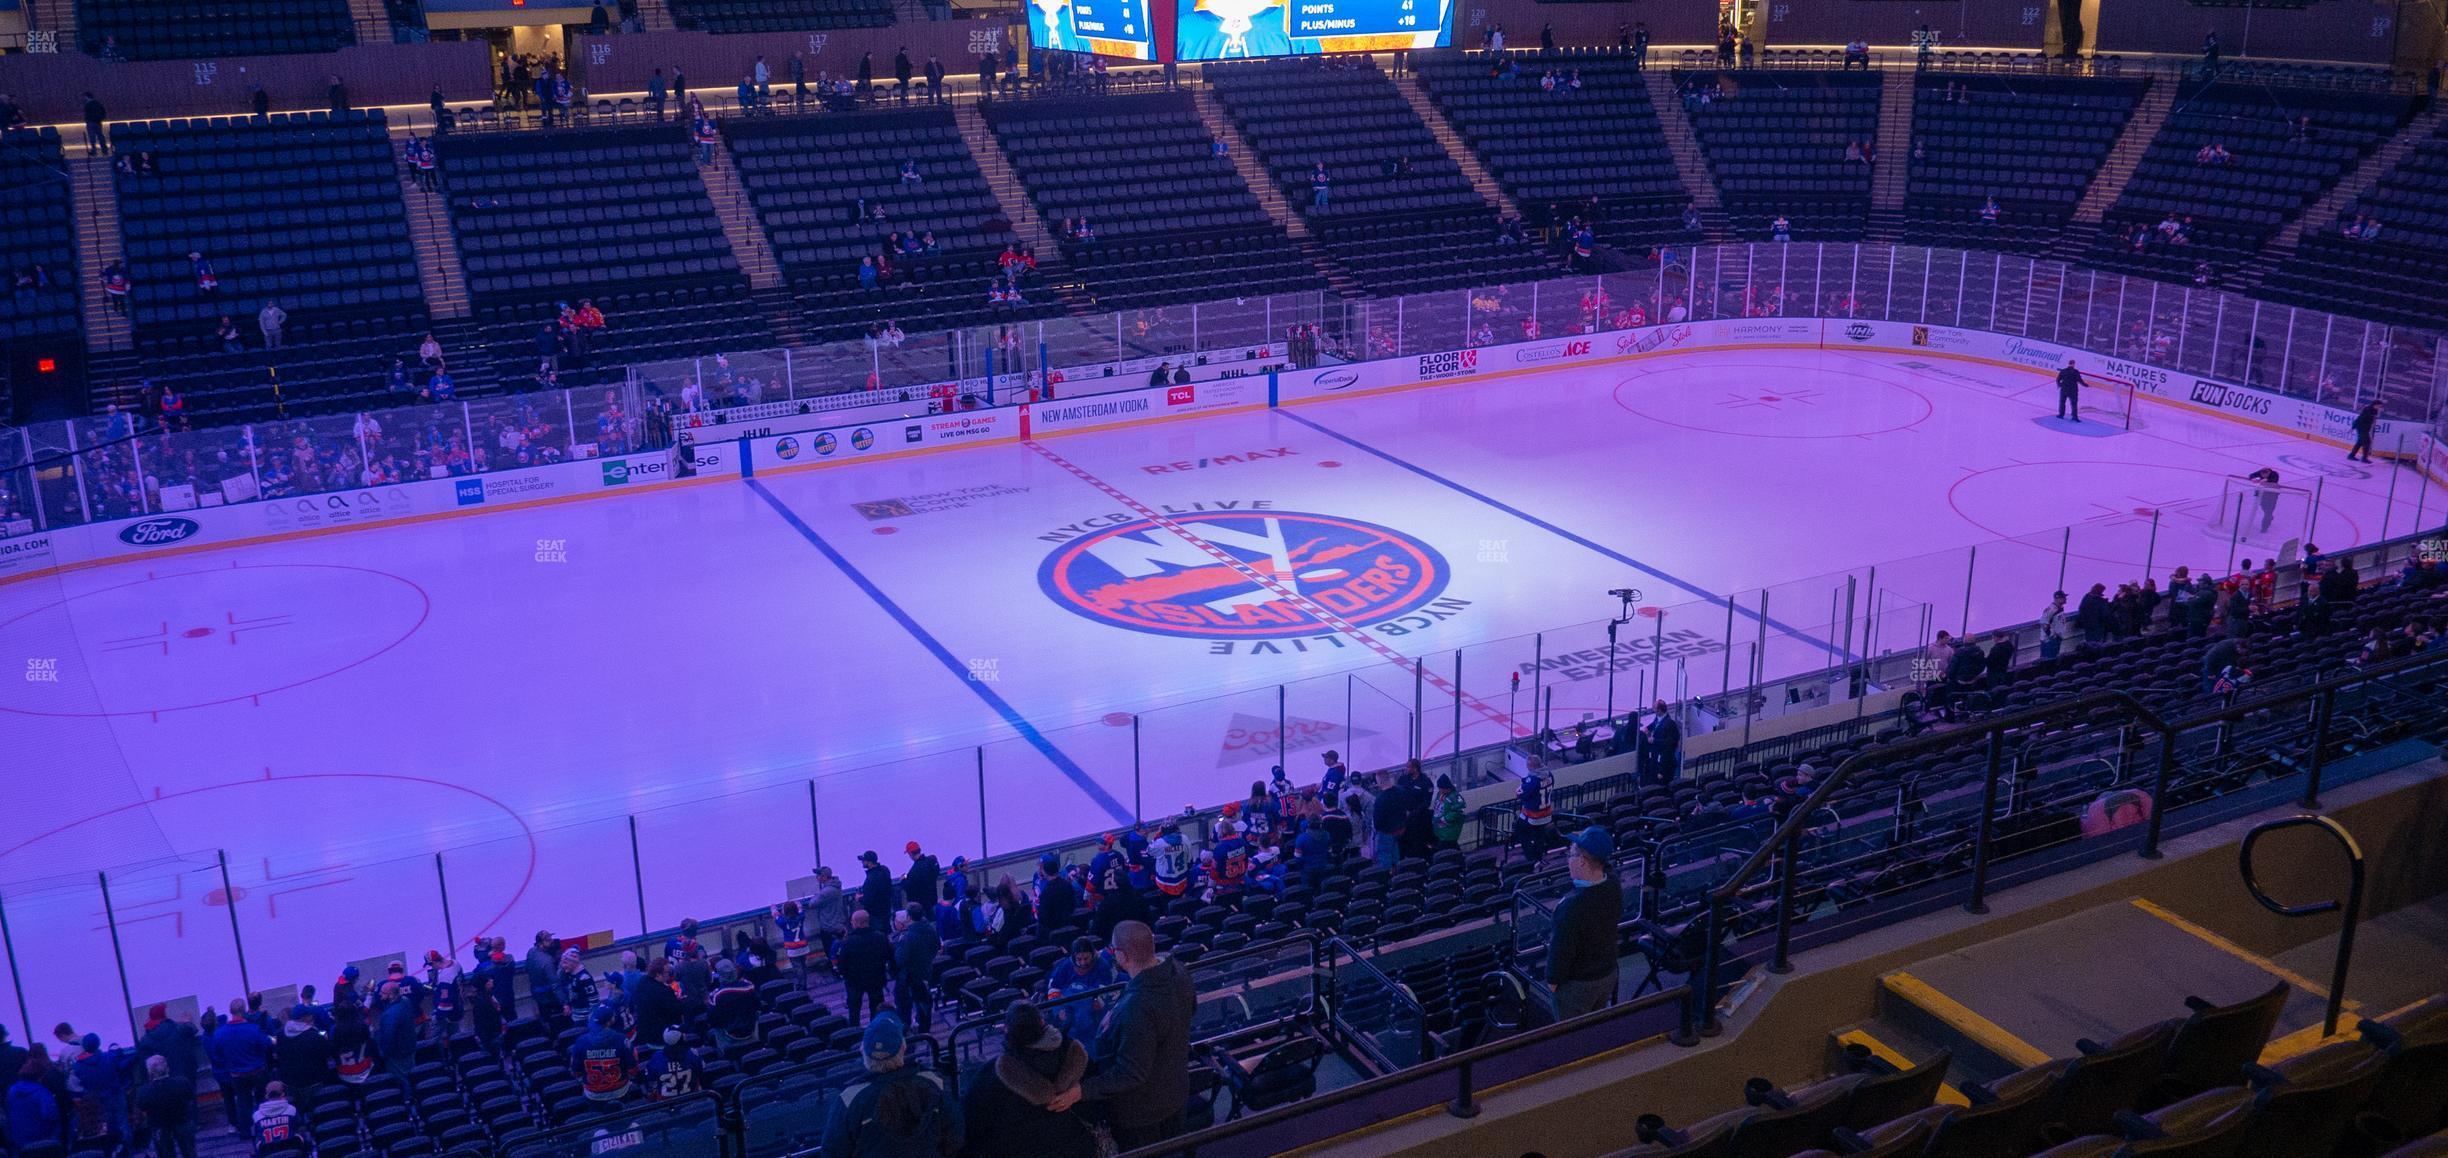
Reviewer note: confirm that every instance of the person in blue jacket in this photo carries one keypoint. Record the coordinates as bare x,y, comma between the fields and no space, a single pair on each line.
33,1110
101,1074
395,1036
241,1056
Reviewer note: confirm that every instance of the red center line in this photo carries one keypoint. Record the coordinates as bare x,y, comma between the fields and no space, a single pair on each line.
1271,583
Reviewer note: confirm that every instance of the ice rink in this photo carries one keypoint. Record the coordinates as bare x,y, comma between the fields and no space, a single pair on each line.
401,738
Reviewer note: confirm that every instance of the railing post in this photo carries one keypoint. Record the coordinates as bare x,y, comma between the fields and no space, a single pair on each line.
1139,811
8,945
229,899
981,778
2159,785
2322,709
1715,932
1686,1031
1782,960
450,935
637,874
1463,1104
110,917
1979,903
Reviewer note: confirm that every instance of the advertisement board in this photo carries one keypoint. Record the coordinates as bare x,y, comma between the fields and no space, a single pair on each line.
1064,415
874,439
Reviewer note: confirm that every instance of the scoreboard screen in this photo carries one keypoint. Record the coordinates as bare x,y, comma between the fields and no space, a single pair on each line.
1234,29
1117,28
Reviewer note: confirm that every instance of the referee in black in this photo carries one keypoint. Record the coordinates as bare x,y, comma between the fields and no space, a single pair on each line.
2069,388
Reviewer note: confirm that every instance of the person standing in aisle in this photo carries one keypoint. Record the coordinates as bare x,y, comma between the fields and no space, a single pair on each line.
1581,951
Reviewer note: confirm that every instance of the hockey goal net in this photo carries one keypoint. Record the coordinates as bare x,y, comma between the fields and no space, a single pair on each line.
2262,518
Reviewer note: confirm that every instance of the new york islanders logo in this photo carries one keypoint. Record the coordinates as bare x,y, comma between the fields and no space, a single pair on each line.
1243,574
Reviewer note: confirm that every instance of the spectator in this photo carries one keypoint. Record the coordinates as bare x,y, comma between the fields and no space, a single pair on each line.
1083,972
601,1057
1581,950
304,1057
207,283
270,319
902,72
168,1103
98,1078
876,889
225,332
924,881
1780,229
115,286
828,914
1142,1053
897,1109
96,141
1057,900
395,1033
916,945
655,93
675,1069
655,1003
1449,811
1857,55
865,964
732,1012
240,1054
276,1120
1007,1110
1661,747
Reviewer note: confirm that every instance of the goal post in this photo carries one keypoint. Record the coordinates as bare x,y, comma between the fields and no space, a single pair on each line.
2113,397
2262,519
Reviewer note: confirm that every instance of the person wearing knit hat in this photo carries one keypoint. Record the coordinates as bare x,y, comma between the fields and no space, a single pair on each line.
601,1057
674,1070
896,1108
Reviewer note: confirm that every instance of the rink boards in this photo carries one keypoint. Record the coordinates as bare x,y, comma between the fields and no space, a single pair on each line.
216,523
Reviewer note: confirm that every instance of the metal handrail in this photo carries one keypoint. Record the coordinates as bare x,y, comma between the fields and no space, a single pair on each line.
2353,904
1788,836
1459,1063
986,1024
1786,841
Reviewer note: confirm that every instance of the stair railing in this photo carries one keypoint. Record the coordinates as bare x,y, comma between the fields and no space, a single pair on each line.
2352,904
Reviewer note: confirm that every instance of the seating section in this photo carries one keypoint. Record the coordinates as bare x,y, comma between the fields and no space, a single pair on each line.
2191,1085
619,216
2275,167
1173,222
817,184
1398,213
2395,278
2031,143
1554,152
722,16
301,211
169,30
38,241
1776,145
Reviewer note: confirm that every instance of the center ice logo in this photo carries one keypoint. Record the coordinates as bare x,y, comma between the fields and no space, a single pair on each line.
1243,575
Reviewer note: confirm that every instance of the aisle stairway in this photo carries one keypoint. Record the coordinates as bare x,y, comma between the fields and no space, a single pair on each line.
2353,184
97,218
1012,200
1453,144
1689,161
1888,177
739,221
1270,194
429,229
